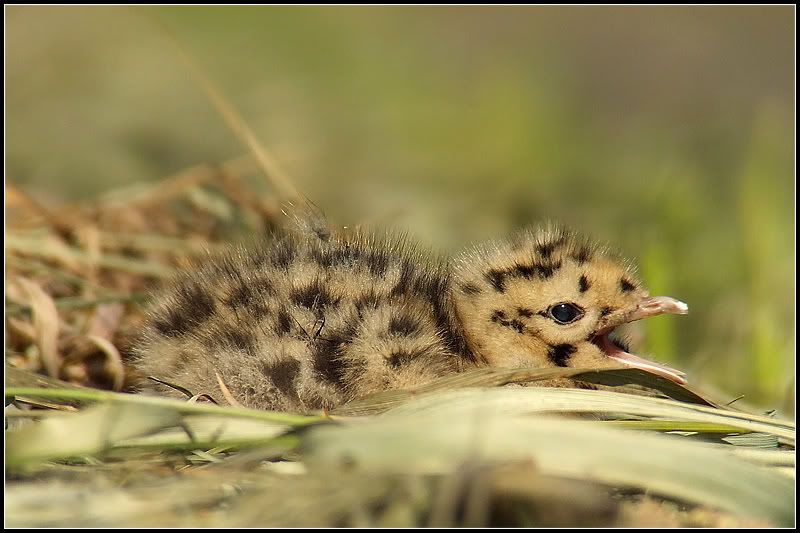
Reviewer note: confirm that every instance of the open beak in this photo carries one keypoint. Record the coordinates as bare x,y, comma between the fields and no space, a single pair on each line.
653,306
657,305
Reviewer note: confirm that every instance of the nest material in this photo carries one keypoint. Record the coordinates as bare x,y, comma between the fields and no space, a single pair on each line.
77,276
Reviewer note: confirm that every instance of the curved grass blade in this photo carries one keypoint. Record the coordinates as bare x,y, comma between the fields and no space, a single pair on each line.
495,377
541,399
427,442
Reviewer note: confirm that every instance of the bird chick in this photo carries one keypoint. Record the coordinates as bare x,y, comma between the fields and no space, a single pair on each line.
310,320
551,298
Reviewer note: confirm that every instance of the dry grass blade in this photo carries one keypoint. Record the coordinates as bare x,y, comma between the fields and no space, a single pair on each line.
199,432
635,376
226,391
494,377
45,323
88,432
114,363
16,196
166,189
272,171
541,399
87,395
18,378
72,257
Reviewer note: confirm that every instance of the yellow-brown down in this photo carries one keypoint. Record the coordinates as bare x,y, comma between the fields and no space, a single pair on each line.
309,320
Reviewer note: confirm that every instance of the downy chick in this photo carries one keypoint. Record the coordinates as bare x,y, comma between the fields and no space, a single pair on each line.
311,320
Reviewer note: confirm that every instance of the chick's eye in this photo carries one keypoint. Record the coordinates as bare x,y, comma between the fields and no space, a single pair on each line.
565,313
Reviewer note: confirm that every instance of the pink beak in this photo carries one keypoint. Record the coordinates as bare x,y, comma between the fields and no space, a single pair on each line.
656,305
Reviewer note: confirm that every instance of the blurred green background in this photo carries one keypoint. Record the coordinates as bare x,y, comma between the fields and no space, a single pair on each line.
667,131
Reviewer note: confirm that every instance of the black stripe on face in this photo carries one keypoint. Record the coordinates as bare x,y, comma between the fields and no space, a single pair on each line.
560,353
525,271
583,284
545,271
625,285
499,317
540,270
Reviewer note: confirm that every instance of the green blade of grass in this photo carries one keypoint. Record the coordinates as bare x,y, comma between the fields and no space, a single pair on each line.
86,395
494,377
541,399
437,442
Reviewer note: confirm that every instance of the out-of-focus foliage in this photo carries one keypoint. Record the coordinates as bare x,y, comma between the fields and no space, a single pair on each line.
461,450
667,131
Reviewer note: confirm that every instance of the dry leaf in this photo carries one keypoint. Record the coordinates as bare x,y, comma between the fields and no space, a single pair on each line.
45,324
114,364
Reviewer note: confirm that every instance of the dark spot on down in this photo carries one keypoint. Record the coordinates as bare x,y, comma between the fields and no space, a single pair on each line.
283,322
498,279
313,296
625,285
238,338
516,325
546,249
583,284
190,307
342,255
258,310
343,336
547,270
239,296
283,253
560,354
604,311
470,288
540,270
403,325
327,353
250,295
405,283
432,286
499,317
328,363
524,312
582,254
282,374
525,271
378,263
437,295
400,357
367,300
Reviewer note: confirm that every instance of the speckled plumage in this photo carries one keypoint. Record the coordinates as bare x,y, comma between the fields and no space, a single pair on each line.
309,320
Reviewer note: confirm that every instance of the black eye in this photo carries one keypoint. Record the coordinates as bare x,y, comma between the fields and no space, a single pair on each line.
565,313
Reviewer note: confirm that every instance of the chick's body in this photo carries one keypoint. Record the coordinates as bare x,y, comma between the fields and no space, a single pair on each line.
302,322
309,321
